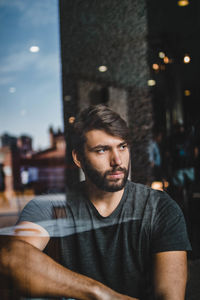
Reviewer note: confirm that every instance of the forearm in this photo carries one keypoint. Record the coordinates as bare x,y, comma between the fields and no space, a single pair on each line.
170,276
35,274
172,292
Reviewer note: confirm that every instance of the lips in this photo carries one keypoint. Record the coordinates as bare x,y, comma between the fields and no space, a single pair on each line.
116,174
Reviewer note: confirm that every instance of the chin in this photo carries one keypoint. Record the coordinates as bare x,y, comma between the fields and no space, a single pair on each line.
114,187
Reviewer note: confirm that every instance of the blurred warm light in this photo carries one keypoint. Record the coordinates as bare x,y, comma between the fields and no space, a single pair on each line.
155,67
165,184
161,54
166,60
187,93
34,49
162,67
71,120
186,59
159,185
183,2
151,82
12,90
103,69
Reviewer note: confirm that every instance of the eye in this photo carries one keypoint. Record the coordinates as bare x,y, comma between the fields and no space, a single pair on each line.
123,147
101,151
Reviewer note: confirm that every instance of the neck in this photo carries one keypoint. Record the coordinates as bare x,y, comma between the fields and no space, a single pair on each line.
104,202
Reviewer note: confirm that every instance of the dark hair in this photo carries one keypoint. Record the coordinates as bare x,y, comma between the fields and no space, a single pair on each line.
98,117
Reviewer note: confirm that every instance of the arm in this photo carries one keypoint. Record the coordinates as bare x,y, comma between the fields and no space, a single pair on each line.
35,274
170,275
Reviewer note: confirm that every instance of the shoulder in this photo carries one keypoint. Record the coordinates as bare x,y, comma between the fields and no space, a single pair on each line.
42,207
46,201
50,211
144,197
144,192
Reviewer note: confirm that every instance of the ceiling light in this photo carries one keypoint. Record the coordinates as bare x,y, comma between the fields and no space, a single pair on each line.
155,67
166,60
183,2
71,120
186,59
161,54
187,93
151,82
103,69
34,49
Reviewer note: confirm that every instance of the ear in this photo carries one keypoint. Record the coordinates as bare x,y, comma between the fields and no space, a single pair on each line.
76,158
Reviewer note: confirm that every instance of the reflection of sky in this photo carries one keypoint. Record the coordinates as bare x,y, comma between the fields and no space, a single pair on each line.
30,83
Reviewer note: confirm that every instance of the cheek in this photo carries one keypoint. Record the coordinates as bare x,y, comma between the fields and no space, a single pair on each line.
99,162
126,157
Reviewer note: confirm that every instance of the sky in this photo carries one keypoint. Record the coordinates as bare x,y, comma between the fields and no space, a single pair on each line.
30,82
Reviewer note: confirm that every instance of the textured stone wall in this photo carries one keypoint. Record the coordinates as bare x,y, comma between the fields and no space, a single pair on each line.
141,123
111,33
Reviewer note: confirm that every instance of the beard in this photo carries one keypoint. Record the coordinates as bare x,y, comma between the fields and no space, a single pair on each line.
101,180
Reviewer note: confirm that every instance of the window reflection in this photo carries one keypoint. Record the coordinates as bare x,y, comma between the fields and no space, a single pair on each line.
32,143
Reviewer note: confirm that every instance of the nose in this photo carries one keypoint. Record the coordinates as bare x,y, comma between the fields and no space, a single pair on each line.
115,158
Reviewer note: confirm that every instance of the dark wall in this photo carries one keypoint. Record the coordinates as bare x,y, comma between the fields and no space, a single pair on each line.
114,34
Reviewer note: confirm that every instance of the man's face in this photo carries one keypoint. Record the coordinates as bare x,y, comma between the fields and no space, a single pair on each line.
106,160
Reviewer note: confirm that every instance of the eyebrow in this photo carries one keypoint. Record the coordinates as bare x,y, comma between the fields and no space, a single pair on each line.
105,146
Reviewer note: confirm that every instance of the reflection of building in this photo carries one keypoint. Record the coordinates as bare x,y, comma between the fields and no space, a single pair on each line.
45,170
24,143
23,168
8,140
9,160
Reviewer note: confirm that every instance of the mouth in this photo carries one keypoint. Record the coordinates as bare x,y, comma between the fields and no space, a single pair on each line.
116,175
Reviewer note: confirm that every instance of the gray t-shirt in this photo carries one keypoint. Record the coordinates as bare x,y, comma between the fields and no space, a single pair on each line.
116,250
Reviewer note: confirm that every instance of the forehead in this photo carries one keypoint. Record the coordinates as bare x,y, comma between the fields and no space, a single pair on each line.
100,137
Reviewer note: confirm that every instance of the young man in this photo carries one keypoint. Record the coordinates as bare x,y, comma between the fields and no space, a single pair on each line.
114,239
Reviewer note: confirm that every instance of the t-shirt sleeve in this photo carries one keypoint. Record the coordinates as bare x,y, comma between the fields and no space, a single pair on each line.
47,211
169,227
